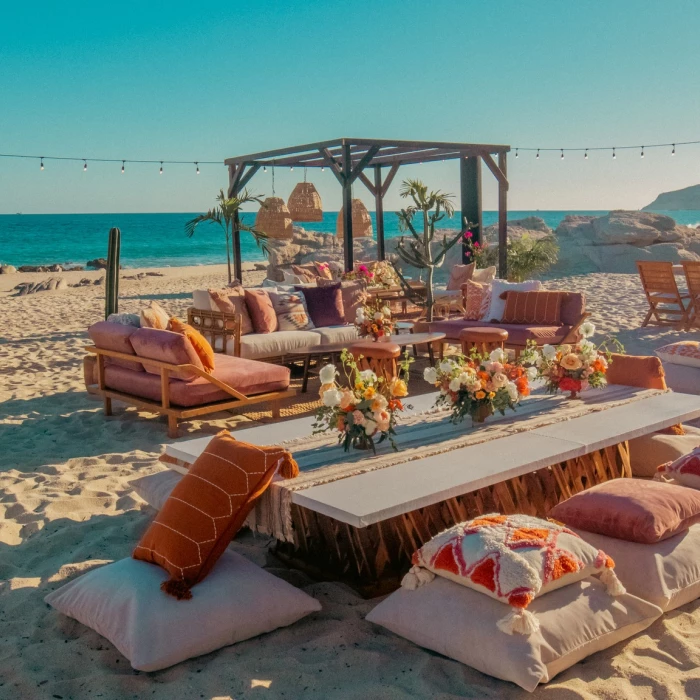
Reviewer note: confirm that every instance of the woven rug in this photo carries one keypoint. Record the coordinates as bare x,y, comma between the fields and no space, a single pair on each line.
321,460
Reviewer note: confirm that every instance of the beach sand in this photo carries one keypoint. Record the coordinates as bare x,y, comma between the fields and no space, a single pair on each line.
67,506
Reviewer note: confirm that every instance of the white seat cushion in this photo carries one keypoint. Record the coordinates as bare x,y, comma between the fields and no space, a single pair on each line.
575,622
255,346
337,334
665,573
236,601
682,378
156,488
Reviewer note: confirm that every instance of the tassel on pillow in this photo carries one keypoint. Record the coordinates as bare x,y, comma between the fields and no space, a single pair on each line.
519,621
612,584
416,577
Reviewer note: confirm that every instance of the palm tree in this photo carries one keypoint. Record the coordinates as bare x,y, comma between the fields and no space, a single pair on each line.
227,215
432,207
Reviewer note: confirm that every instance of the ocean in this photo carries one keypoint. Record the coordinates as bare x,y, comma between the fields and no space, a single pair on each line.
159,240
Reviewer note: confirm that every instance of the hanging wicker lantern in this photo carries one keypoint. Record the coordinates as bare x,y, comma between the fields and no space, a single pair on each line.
304,203
273,219
361,221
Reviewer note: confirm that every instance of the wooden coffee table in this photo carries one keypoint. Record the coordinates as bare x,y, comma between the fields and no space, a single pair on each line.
331,351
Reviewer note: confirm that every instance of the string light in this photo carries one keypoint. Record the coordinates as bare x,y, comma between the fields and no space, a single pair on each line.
161,167
122,167
641,155
323,167
85,166
538,154
673,152
562,154
291,168
264,168
197,164
41,167
614,154
585,155
516,155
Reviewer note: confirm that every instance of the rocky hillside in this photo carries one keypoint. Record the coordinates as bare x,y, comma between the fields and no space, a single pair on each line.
688,198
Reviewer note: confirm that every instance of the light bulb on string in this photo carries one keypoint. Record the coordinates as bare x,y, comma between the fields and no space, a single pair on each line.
264,168
614,154
673,152
197,164
122,167
161,167
323,167
641,155
585,155
538,154
85,166
41,166
516,153
291,168
562,153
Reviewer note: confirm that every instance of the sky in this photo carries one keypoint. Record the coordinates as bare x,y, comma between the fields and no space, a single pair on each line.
204,81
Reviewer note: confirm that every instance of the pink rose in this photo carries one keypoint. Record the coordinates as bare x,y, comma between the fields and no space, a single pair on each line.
358,417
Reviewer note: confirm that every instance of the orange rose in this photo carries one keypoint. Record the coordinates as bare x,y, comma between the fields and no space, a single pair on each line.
523,386
480,395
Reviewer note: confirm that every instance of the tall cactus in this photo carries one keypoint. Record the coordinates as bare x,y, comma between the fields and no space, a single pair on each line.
112,273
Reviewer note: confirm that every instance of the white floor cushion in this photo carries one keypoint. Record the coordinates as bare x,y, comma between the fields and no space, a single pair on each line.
156,488
236,601
666,573
651,451
683,379
575,622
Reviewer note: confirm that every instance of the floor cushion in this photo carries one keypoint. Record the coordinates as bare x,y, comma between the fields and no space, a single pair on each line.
684,471
682,378
666,573
631,509
649,452
123,602
575,622
684,352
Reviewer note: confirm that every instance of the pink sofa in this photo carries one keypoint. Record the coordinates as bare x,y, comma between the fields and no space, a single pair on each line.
168,377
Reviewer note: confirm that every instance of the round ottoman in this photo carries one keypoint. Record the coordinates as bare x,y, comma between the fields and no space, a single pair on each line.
378,356
484,339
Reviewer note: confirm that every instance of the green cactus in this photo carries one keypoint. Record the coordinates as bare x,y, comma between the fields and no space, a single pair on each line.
112,273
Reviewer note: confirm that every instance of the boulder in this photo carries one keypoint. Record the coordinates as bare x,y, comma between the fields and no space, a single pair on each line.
635,228
575,226
97,263
33,268
48,285
7,269
623,258
532,226
55,268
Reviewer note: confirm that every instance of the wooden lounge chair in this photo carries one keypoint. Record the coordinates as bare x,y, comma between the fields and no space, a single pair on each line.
667,306
692,278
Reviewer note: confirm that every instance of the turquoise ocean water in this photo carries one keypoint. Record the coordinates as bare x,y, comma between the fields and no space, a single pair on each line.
151,240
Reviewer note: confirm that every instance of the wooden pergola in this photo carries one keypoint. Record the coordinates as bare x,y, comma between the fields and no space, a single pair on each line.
356,159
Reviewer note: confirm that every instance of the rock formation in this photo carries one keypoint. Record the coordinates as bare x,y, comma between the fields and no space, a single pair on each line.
687,198
48,285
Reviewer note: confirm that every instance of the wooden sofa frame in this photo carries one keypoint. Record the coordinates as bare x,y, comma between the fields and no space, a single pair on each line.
174,413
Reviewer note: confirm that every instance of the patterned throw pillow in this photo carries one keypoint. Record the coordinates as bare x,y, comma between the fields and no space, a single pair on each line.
231,300
292,314
685,470
199,342
154,316
543,308
512,558
459,275
323,270
208,507
475,293
685,352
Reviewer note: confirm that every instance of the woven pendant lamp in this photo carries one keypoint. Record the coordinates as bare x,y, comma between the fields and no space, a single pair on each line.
361,221
304,203
273,218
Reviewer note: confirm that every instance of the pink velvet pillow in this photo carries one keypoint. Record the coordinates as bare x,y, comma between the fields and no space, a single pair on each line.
631,509
261,310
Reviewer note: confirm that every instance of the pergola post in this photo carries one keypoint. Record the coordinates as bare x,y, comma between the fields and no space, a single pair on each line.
379,211
503,218
347,207
234,177
470,200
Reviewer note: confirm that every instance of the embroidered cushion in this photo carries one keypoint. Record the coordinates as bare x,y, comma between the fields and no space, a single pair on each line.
459,274
474,292
154,316
455,621
512,558
261,311
685,470
199,343
631,509
542,308
232,301
292,314
207,508
685,352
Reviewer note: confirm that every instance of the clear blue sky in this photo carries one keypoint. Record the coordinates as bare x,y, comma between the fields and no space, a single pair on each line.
203,81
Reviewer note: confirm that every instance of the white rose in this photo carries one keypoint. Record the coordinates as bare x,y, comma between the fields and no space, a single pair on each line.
368,376
378,316
370,426
386,311
531,373
512,391
332,397
465,377
360,315
446,366
499,380
498,355
455,384
327,374
587,329
549,352
430,375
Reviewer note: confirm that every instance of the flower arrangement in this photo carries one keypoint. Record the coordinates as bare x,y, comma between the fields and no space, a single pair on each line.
573,368
374,320
385,274
479,385
478,252
365,414
361,272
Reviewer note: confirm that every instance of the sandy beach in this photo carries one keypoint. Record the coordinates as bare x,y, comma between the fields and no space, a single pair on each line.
67,506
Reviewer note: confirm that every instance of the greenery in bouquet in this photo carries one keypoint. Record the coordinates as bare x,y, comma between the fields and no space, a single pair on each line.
373,320
365,408
479,385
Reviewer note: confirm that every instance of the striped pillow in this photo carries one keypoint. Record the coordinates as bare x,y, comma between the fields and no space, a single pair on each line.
539,307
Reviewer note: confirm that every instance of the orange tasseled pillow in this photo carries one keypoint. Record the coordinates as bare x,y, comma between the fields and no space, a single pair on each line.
636,370
208,507
199,342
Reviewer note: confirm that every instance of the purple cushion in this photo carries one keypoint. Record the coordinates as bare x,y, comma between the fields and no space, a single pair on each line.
517,334
631,509
325,305
116,337
248,376
165,346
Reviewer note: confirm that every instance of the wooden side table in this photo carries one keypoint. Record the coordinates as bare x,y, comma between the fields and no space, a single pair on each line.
484,339
381,358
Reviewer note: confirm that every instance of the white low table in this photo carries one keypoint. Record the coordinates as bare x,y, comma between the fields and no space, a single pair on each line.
366,526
